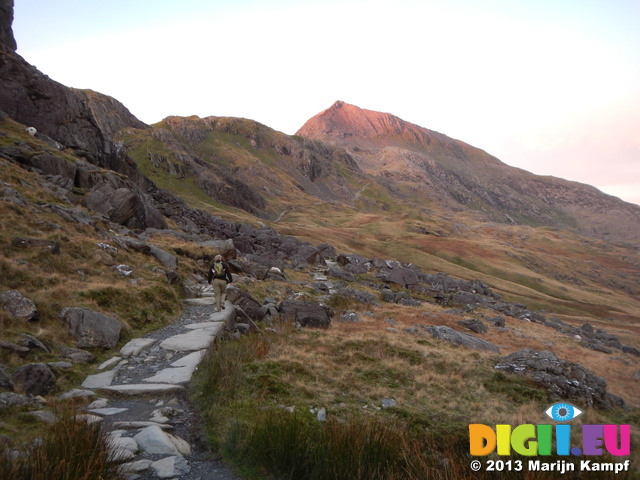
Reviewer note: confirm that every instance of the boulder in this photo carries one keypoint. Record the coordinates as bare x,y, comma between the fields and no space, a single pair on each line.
250,268
498,321
167,259
311,254
474,325
353,259
327,251
76,355
306,314
91,329
341,274
566,380
246,302
153,440
226,248
18,306
458,338
402,276
354,263
117,198
34,379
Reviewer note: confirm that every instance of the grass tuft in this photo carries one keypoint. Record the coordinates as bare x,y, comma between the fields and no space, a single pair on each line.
70,449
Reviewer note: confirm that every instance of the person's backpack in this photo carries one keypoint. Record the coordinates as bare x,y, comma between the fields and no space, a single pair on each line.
219,269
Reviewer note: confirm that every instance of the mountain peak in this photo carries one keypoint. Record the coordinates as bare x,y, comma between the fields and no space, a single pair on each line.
345,120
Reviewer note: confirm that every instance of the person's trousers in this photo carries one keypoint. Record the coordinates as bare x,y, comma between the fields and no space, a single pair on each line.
219,291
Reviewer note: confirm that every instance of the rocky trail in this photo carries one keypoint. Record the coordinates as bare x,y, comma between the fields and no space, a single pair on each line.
141,398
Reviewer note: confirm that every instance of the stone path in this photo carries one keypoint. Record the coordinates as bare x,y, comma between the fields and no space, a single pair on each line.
141,398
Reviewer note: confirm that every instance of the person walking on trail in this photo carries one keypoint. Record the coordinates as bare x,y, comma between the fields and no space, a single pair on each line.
219,276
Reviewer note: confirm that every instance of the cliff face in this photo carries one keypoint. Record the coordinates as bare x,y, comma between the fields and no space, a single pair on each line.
459,176
7,42
81,120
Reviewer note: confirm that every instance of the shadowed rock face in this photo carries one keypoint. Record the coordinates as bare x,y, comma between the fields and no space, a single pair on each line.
81,120
7,41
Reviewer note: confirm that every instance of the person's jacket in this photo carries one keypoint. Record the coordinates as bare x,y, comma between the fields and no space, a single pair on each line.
225,275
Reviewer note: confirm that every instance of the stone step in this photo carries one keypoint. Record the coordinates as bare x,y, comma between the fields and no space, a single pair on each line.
142,389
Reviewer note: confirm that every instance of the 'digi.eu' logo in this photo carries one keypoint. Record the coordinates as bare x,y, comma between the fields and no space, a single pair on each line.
530,440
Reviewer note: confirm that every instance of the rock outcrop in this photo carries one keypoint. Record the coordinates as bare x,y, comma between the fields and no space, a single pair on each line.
7,41
92,329
566,380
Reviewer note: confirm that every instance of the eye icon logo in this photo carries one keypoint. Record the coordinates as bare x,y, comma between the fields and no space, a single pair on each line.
563,412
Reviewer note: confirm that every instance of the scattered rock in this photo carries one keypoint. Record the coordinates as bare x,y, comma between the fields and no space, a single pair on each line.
18,306
474,325
32,342
458,338
10,399
401,298
76,355
306,314
34,379
13,347
349,317
402,276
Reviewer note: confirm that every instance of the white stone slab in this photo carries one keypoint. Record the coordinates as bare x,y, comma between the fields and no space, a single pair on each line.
172,375
200,301
136,346
142,389
193,340
192,359
199,326
106,412
75,393
140,424
100,380
171,467
112,362
137,466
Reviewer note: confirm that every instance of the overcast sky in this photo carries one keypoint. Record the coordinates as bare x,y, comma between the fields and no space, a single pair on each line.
550,86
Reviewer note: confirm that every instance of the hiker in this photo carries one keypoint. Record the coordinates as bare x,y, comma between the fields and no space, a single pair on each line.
220,275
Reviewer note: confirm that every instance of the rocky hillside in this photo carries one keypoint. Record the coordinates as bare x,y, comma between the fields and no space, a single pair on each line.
242,164
459,176
366,182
